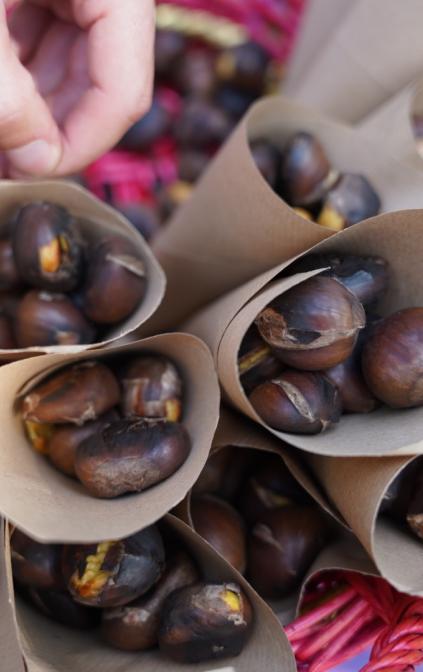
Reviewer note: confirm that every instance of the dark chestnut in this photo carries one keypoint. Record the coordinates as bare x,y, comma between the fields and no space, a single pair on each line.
60,607
43,318
223,472
47,247
351,200
169,46
392,361
9,276
314,325
414,513
267,159
195,74
282,546
221,525
152,388
144,218
34,564
135,626
202,123
256,362
76,394
206,621
131,456
7,338
147,130
299,402
113,573
192,163
244,67
233,101
348,378
116,281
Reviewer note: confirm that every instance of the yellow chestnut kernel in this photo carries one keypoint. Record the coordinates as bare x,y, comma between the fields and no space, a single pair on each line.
302,212
39,434
331,219
93,578
49,256
173,410
252,358
232,600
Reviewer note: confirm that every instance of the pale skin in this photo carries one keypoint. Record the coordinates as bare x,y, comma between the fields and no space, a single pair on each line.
75,75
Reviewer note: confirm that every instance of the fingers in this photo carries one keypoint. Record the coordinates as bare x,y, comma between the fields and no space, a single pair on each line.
28,134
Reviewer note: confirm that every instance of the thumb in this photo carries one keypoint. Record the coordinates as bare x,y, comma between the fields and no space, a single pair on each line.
29,136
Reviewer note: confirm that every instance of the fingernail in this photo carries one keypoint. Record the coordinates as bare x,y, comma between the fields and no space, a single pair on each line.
37,158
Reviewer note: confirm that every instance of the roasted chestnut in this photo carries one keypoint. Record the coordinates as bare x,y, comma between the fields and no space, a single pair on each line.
244,67
256,362
34,564
39,435
152,388
306,173
9,276
348,378
144,218
349,201
134,627
76,394
392,361
113,573
201,123
314,325
194,74
169,46
7,338
116,281
267,159
46,247
192,163
206,621
43,318
60,607
223,472
299,402
147,130
221,525
131,456
415,502
233,101
282,546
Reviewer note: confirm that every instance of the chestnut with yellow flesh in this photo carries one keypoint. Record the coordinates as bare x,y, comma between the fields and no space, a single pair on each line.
40,435
152,388
94,578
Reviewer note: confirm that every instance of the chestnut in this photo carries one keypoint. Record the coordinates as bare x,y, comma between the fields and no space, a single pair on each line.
202,123
283,544
267,159
299,402
244,67
43,318
205,621
234,101
34,564
134,627
39,435
351,200
152,388
195,74
169,46
47,247
192,163
131,456
144,218
256,362
306,174
147,130
9,276
113,573
392,361
223,472
60,607
115,282
314,325
7,338
348,378
172,196
222,527
414,513
76,394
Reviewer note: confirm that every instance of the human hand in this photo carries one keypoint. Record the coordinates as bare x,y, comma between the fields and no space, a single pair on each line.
74,74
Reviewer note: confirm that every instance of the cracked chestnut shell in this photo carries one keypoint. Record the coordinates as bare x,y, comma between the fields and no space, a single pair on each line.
152,388
76,394
113,573
9,276
34,564
299,402
47,247
244,67
206,621
267,159
282,546
256,362
115,281
60,607
131,456
135,626
349,201
202,123
222,527
43,318
314,325
392,361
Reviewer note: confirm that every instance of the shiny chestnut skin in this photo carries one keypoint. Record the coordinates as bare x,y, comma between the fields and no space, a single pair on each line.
313,325
134,627
351,200
60,607
169,47
46,247
151,388
113,573
366,277
34,564
195,74
299,402
243,67
7,337
267,159
282,546
147,130
75,394
256,362
222,527
202,123
131,456
43,318
392,361
144,218
348,378
192,163
9,276
115,281
306,173
205,621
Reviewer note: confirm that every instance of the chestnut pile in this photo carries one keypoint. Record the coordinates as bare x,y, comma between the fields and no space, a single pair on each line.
249,507
303,176
403,501
319,350
140,592
56,288
115,427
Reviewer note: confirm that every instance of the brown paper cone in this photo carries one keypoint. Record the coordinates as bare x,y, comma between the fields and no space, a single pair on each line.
366,60
48,646
11,655
52,507
96,219
398,238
